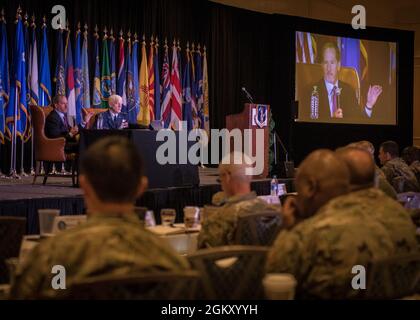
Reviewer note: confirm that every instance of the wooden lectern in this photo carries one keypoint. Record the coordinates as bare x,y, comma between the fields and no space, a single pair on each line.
254,116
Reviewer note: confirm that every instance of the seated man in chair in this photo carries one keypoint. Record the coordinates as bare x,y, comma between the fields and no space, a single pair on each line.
113,241
113,118
57,125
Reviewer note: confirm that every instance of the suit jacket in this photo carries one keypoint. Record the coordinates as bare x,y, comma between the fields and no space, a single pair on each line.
55,127
105,121
347,102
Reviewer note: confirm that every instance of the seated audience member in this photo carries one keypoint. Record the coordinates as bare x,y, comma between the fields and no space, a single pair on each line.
380,180
219,228
352,229
112,241
411,156
113,118
57,125
396,171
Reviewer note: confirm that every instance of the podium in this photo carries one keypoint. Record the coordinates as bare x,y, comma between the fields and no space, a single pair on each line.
253,117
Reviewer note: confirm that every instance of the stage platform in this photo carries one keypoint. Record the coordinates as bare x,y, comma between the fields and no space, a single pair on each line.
21,198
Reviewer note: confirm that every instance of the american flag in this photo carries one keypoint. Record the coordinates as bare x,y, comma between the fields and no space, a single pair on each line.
166,96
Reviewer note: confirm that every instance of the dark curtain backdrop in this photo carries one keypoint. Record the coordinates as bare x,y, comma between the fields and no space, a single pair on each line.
244,48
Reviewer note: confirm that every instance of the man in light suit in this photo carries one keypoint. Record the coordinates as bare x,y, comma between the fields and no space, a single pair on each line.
113,118
337,99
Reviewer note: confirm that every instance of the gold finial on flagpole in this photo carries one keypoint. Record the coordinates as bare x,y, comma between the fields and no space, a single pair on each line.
33,21
78,26
44,22
152,41
67,25
18,14
2,19
121,34
156,42
111,35
26,23
105,33
166,43
86,30
135,37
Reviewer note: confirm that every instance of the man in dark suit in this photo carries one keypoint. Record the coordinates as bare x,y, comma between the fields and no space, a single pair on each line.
113,118
337,99
57,124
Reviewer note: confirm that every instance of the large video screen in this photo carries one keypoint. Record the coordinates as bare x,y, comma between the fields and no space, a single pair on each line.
345,80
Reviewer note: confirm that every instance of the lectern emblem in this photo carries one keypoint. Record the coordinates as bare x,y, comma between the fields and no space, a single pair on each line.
260,116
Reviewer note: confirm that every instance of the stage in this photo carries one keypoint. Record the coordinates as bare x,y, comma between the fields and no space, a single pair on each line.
21,198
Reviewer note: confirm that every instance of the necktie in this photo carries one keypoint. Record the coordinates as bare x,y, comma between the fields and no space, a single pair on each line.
66,123
334,100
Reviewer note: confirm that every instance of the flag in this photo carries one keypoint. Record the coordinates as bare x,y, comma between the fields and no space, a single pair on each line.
133,100
112,63
84,84
4,80
157,81
198,87
121,81
45,74
60,82
17,108
78,76
193,85
33,69
186,94
70,92
105,74
27,62
151,71
166,89
96,90
143,116
306,47
206,108
176,102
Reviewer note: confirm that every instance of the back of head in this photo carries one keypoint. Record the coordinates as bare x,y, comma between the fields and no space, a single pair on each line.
233,170
114,169
320,177
390,147
365,145
411,154
361,166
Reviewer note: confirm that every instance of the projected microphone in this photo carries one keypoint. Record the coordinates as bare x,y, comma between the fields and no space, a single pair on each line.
248,96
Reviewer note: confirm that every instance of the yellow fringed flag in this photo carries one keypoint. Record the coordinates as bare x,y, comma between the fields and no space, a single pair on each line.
143,117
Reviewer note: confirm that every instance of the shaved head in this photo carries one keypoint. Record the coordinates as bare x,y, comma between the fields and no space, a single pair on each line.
320,177
232,174
361,166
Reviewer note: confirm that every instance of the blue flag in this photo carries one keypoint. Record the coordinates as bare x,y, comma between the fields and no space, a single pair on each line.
4,81
157,84
17,112
350,54
186,94
45,74
78,77
84,85
198,88
60,82
133,98
96,91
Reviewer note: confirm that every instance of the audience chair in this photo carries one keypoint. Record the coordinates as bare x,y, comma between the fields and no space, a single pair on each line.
230,272
49,150
12,230
258,229
153,286
393,278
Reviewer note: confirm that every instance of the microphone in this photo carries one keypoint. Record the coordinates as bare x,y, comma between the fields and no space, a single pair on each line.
248,96
289,166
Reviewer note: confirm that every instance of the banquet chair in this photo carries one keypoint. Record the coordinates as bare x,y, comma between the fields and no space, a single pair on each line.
230,272
394,277
12,230
145,286
258,229
49,150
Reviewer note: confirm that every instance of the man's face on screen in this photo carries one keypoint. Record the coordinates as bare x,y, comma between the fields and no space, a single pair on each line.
330,65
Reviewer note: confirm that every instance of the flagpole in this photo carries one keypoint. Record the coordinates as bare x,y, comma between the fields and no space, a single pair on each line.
32,172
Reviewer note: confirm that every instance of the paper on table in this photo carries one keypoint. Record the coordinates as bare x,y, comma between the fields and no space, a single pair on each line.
166,230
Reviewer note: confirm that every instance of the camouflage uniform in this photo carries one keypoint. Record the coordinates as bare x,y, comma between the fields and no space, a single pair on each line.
349,230
383,184
104,245
219,228
400,176
415,167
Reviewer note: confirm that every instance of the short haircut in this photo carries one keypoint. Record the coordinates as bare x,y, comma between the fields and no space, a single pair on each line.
113,98
332,45
360,164
113,167
56,98
411,154
391,147
365,145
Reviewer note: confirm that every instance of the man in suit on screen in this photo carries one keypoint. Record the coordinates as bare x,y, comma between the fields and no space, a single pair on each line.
337,99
